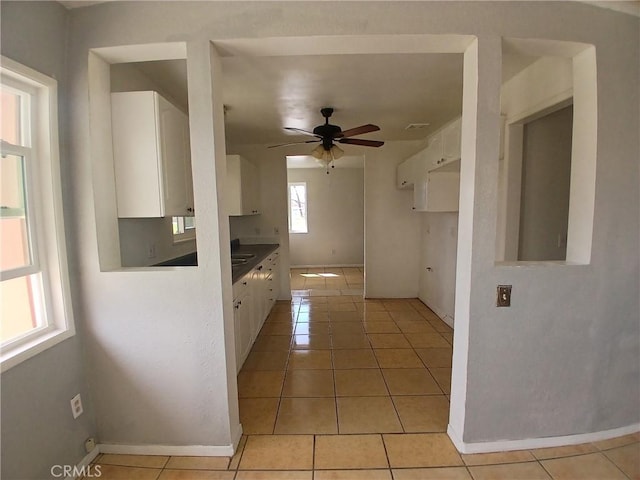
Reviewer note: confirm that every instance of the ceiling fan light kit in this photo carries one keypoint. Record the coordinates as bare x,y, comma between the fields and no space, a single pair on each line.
327,134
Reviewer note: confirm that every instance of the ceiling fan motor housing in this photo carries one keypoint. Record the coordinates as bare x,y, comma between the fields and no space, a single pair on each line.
327,131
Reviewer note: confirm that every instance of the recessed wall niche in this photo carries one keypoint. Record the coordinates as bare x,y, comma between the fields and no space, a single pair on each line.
546,183
150,234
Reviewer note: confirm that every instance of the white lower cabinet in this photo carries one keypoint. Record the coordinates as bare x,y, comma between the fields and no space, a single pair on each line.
253,298
242,313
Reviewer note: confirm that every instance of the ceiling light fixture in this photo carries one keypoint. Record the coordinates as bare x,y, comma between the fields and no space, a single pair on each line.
326,157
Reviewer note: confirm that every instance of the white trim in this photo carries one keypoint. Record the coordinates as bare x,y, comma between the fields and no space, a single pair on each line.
533,443
86,461
176,450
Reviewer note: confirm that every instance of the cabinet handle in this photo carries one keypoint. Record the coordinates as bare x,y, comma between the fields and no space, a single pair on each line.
244,283
259,268
190,210
429,269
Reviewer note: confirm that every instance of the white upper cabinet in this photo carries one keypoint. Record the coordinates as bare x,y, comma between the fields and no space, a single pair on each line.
439,192
444,147
152,156
405,174
242,194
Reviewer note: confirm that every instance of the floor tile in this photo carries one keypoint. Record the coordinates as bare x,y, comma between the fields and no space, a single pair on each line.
281,317
440,473
266,361
443,377
566,451
306,415
118,472
349,452
367,415
342,307
149,461
312,328
427,340
397,306
350,341
440,326
397,358
309,360
518,456
311,342
354,358
313,317
627,459
308,383
616,442
410,381
416,326
272,343
254,384
278,452
360,383
346,328
369,307
412,450
257,415
423,413
513,471
235,460
352,475
380,327
593,466
436,357
388,340
350,316
274,475
277,328
196,475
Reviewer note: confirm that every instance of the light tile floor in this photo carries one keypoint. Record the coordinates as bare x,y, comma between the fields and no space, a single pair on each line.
337,387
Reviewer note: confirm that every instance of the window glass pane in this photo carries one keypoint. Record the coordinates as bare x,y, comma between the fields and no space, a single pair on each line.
178,225
14,229
21,300
189,223
298,208
10,116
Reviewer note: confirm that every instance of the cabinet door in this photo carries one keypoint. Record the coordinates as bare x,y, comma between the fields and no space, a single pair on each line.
176,160
249,188
404,174
434,152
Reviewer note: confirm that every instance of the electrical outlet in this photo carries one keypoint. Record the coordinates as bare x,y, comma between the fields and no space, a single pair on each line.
504,296
76,406
89,444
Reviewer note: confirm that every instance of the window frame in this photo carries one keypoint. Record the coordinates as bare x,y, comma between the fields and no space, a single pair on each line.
306,206
45,215
187,233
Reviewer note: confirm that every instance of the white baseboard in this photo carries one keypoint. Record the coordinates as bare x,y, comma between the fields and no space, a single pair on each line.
85,462
533,443
182,450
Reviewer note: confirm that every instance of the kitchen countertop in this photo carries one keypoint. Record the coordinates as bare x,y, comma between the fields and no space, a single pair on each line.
260,250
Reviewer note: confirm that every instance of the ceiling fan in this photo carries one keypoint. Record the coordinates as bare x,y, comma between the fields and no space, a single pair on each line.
328,135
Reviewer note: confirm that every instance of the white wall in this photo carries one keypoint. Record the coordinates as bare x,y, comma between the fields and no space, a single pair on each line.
566,352
38,430
392,228
335,204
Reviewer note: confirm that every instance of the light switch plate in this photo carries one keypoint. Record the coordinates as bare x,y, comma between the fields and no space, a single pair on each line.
504,296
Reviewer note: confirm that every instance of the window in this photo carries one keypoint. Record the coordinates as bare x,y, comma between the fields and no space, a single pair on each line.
36,308
184,228
298,208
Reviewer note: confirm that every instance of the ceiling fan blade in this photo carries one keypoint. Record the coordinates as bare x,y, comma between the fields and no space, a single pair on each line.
298,130
364,143
359,130
292,143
